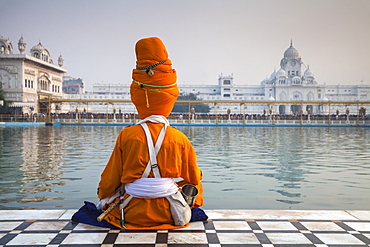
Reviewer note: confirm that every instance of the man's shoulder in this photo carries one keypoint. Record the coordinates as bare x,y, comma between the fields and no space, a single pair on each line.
175,132
131,131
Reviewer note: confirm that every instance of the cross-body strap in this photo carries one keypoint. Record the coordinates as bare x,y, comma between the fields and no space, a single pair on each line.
153,151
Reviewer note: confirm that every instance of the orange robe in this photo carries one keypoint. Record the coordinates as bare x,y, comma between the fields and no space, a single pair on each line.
176,159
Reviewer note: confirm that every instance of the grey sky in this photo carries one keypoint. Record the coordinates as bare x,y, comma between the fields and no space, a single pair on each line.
204,37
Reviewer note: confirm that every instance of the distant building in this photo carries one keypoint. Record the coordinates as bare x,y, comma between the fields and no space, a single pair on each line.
26,78
73,86
294,81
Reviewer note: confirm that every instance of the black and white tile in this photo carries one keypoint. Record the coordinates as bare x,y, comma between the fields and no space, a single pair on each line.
225,231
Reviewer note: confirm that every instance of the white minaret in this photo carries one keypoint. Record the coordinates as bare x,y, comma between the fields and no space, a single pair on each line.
21,45
60,61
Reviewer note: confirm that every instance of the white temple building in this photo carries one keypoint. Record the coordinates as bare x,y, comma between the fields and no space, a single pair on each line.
291,83
26,78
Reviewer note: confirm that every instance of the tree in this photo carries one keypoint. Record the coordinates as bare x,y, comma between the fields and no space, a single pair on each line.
184,107
6,103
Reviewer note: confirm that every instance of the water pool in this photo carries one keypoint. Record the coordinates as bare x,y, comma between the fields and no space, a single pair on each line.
48,167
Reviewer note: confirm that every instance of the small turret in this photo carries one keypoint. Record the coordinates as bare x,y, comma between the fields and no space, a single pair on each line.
60,61
22,45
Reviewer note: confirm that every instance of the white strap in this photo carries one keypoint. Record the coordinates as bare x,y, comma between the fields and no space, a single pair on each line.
153,151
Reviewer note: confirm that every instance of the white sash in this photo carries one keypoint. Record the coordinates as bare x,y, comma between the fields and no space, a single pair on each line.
151,187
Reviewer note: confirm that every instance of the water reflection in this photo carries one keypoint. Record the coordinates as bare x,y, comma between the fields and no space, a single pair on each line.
243,167
40,164
285,167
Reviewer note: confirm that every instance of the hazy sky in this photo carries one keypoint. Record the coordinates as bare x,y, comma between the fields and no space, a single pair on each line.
204,38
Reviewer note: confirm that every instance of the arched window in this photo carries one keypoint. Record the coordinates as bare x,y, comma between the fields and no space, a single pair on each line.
310,96
282,96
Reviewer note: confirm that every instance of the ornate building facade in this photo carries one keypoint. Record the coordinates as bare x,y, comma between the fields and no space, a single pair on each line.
295,81
26,78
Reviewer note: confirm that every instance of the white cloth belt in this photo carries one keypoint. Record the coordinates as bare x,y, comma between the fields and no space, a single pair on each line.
151,187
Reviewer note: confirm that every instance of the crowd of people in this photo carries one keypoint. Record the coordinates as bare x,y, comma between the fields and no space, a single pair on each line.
131,117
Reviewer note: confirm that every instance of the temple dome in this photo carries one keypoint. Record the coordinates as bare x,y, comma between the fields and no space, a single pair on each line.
308,73
40,52
6,46
291,52
280,73
39,47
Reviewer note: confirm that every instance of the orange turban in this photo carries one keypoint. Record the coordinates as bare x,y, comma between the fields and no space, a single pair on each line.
154,89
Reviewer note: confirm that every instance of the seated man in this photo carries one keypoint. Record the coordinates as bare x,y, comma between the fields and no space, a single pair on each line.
154,92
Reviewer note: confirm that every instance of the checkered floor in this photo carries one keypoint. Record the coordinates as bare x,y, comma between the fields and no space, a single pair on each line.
214,232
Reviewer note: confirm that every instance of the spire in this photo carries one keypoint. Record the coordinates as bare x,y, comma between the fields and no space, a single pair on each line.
291,42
